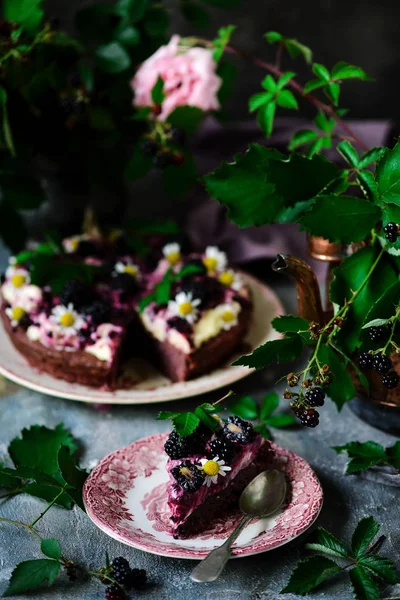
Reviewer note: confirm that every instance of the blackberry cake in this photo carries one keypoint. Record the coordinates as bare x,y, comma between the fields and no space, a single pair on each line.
208,470
80,311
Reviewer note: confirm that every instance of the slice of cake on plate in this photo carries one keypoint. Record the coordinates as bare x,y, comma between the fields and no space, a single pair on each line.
209,469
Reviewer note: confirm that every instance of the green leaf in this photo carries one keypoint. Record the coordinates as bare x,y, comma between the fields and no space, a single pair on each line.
295,49
348,152
206,419
323,541
38,448
258,185
287,323
195,14
244,407
312,85
133,10
388,176
371,156
284,79
30,574
343,70
28,13
354,218
112,58
187,118
128,36
361,463
222,40
157,93
286,99
72,474
368,184
266,117
269,403
51,548
164,415
258,100
210,408
310,573
156,21
364,587
138,165
333,91
393,453
263,430
363,535
384,306
185,423
281,420
273,36
366,449
374,323
302,137
321,72
269,84
380,566
325,123
341,389
279,351
8,478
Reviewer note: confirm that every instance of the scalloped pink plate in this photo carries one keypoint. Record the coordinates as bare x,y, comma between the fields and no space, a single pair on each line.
146,384
125,496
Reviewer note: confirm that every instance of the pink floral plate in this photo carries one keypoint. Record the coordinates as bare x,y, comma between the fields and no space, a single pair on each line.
125,496
141,383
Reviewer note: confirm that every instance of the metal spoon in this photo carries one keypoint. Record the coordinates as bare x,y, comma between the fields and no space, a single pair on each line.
262,497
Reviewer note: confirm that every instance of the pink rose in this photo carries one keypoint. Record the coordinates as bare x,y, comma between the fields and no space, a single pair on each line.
189,78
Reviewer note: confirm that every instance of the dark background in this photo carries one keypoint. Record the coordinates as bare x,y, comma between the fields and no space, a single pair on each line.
362,32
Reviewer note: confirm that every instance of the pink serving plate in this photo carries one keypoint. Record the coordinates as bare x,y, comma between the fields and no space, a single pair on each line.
125,496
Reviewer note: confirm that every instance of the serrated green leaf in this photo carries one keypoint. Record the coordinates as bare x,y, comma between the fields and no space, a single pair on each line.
388,176
312,85
354,218
380,566
157,93
368,184
341,389
332,90
343,70
244,407
348,152
315,147
164,415
367,449
286,323
71,473
393,453
281,420
112,58
51,548
8,478
48,493
286,99
30,574
322,540
279,351
371,156
385,305
269,403
185,423
361,463
269,84
301,137
209,408
206,419
310,573
364,587
258,100
321,72
363,535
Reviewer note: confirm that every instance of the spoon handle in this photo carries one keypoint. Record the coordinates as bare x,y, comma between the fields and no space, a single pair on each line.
211,567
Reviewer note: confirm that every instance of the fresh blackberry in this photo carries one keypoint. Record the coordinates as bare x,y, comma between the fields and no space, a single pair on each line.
392,232
382,363
180,325
391,237
188,476
222,448
315,397
121,570
114,592
366,360
71,572
174,446
378,334
149,148
98,311
177,136
390,380
177,447
138,579
123,282
208,290
309,417
75,292
237,430
25,322
162,160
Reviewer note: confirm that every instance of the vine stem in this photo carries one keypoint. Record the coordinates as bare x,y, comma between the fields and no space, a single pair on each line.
20,524
322,106
47,507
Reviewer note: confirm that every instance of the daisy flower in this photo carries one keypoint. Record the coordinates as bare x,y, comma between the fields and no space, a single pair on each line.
15,314
130,268
172,253
214,259
213,468
184,306
228,314
17,276
231,279
67,318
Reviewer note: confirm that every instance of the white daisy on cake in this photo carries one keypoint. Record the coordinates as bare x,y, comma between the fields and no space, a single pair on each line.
67,318
214,260
228,313
231,279
15,314
129,267
17,276
213,468
184,306
172,252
